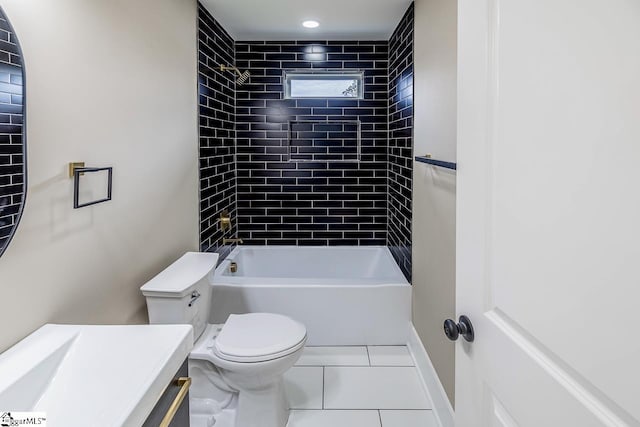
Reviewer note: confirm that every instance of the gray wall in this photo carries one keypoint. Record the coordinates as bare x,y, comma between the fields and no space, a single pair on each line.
111,82
434,189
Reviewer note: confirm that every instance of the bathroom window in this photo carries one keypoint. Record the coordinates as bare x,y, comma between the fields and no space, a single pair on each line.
327,84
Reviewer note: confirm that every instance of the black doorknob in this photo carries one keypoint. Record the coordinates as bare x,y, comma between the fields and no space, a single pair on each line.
464,327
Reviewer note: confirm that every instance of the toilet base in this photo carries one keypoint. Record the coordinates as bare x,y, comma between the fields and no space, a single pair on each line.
258,387
263,407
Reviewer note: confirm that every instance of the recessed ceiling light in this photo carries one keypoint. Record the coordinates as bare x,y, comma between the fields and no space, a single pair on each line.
311,24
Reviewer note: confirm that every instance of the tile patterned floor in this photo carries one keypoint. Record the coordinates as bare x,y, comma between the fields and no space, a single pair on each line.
375,386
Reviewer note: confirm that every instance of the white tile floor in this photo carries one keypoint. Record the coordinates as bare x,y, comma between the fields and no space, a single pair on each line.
376,386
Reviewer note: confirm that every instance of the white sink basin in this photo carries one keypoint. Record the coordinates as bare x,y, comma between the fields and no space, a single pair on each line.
92,375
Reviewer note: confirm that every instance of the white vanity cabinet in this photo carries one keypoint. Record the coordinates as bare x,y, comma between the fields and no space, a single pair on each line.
102,376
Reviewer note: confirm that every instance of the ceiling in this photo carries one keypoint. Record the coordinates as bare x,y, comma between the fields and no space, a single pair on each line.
282,19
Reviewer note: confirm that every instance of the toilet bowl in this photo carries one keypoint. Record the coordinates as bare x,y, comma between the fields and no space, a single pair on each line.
246,356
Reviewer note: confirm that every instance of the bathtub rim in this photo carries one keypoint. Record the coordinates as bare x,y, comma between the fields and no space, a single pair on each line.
219,279
258,282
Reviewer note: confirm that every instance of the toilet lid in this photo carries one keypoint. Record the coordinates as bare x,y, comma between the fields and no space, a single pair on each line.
258,336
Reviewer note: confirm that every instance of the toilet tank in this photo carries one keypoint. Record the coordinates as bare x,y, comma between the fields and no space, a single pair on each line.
181,294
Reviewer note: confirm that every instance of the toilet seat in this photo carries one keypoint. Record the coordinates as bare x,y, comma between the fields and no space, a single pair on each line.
258,337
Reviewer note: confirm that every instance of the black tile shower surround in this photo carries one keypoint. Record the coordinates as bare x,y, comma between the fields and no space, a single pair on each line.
401,141
216,92
324,141
332,201
319,202
12,178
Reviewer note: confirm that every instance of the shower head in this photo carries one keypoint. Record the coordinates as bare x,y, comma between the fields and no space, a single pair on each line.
242,77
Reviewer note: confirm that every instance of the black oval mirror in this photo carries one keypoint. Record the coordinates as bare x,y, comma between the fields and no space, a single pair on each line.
13,165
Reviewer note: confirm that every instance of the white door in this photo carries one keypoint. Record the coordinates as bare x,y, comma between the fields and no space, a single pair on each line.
548,264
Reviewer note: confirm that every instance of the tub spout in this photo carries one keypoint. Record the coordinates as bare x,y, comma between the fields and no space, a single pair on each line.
232,241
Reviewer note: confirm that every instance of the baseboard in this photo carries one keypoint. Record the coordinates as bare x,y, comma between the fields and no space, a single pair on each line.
441,406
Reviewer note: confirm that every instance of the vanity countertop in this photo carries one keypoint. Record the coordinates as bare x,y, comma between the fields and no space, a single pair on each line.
92,375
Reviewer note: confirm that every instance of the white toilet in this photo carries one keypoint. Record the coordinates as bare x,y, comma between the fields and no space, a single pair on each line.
247,355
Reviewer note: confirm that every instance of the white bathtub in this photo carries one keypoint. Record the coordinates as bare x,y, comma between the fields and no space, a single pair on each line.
344,295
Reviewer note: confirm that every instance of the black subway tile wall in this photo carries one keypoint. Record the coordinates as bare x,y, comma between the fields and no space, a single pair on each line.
318,171
401,141
324,140
12,160
216,91
329,199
